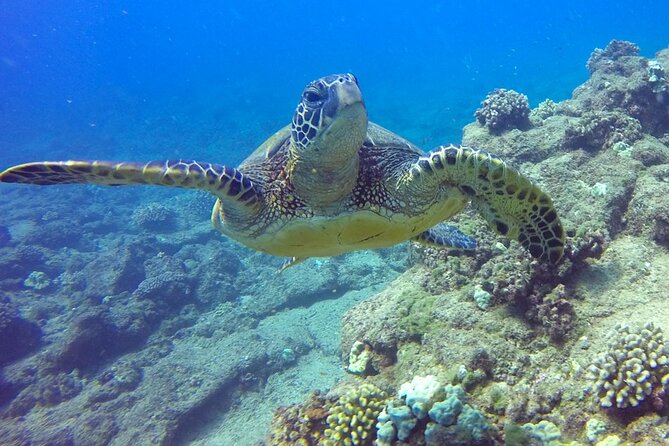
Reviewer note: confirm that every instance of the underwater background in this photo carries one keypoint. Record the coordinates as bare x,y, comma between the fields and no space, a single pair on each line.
126,319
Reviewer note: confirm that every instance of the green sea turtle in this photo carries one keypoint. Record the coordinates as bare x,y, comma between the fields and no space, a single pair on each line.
332,182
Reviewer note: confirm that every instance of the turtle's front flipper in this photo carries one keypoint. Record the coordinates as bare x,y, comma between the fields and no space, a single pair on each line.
510,202
236,192
446,236
222,181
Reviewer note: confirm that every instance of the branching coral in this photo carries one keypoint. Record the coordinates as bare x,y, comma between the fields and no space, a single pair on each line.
635,367
503,110
353,416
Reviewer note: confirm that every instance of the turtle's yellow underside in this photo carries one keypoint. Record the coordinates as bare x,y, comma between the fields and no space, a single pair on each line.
323,236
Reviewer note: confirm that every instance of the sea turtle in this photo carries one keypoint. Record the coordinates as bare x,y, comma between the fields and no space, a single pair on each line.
332,182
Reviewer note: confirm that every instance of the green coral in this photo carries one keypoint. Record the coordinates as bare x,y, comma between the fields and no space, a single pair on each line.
352,417
635,365
37,280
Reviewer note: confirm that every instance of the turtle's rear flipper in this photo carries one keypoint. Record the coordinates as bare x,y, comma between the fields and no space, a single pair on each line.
224,182
446,236
511,203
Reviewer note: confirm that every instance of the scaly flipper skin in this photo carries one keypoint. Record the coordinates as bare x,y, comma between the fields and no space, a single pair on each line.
446,236
224,182
511,204
237,194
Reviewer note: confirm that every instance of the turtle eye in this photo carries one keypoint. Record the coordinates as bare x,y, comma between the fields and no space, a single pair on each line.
312,95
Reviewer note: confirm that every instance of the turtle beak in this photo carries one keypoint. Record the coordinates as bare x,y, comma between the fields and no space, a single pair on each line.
345,99
348,92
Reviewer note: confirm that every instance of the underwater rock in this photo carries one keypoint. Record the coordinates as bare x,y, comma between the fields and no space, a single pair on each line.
5,236
18,336
47,390
118,270
97,429
648,212
94,335
504,110
602,130
54,234
122,377
622,81
604,59
376,322
534,144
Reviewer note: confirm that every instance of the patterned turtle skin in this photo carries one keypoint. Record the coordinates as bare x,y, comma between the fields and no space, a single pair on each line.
331,182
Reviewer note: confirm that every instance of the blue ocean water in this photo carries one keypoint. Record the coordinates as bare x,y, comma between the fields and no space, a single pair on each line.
153,79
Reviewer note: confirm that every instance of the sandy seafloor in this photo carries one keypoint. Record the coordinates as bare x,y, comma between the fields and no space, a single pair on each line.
124,318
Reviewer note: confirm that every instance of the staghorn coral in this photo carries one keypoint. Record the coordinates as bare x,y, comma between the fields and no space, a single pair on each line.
353,415
504,110
635,367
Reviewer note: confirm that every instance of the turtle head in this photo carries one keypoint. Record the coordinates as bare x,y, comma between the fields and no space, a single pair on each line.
330,122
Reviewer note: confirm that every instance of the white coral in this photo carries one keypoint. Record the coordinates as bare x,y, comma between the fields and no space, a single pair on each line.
636,364
421,393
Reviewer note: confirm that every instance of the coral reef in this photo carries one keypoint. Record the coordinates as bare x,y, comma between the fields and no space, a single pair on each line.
602,59
18,336
602,130
441,413
353,415
299,424
358,358
543,111
154,217
37,280
635,368
504,110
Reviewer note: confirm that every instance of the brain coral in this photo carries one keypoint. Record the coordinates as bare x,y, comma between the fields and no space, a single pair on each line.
635,367
504,110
